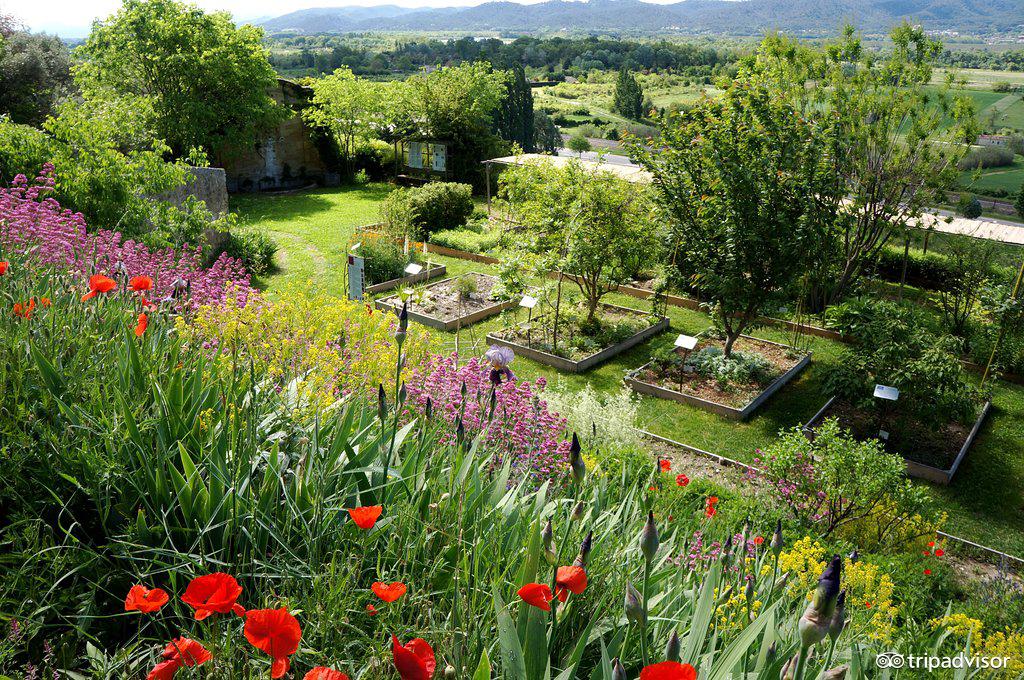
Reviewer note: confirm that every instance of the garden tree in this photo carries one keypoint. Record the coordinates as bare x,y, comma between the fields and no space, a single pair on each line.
628,99
584,221
894,138
455,105
739,177
34,73
969,206
514,118
107,167
1018,205
579,143
546,137
971,266
206,82
351,108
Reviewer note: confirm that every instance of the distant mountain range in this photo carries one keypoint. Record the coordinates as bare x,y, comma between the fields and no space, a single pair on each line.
721,17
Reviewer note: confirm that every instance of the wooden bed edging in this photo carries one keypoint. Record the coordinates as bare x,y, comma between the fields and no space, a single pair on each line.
436,271
914,469
723,410
586,363
386,304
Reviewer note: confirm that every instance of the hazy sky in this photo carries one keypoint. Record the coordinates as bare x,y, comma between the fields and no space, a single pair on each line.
71,18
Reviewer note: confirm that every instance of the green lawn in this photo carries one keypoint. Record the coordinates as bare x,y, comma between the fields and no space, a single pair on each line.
1009,178
985,504
312,229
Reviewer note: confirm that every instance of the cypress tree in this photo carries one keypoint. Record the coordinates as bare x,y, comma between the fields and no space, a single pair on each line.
514,120
629,97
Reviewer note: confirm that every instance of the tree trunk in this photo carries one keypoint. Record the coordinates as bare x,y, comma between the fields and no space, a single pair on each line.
591,309
730,340
558,307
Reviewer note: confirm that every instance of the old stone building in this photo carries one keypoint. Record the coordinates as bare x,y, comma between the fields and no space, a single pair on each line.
286,158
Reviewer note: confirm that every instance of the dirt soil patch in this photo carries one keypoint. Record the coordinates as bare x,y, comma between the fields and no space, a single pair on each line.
736,395
444,301
928,444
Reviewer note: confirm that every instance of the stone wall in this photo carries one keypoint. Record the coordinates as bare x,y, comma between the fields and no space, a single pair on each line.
210,186
286,158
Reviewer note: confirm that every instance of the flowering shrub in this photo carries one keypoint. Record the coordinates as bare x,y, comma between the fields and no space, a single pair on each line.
870,591
522,428
37,227
324,346
847,486
998,643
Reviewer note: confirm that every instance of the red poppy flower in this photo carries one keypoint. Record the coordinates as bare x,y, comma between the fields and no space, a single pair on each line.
142,599
321,673
931,544
940,552
758,540
99,284
682,480
371,610
389,592
275,632
570,580
927,572
213,594
179,652
45,301
140,283
19,310
666,465
712,500
365,517
537,595
142,325
4,267
669,670
867,605
414,661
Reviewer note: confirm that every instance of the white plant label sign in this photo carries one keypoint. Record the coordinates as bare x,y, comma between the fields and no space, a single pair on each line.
686,342
413,269
528,301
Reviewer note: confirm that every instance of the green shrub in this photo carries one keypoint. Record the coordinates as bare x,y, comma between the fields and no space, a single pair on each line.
420,211
383,260
469,241
986,157
254,248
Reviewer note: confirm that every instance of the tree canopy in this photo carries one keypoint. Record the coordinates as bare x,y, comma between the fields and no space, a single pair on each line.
739,177
206,81
34,73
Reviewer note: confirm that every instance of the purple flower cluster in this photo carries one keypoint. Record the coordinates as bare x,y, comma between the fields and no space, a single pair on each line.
519,428
37,227
699,555
793,482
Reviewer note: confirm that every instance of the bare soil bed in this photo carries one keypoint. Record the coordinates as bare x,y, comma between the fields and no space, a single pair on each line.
444,307
920,442
736,395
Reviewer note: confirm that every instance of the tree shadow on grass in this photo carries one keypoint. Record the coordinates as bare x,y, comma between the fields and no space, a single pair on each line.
256,208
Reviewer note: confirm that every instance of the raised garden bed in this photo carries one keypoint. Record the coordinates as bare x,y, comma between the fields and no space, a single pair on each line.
737,403
520,339
435,272
445,309
937,454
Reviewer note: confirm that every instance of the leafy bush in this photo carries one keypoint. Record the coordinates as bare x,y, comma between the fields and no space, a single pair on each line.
383,260
969,206
892,346
741,368
254,248
464,239
114,189
420,211
848,486
986,157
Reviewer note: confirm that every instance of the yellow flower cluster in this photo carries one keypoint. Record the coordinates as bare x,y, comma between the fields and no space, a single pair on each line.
910,533
869,590
732,616
318,346
998,643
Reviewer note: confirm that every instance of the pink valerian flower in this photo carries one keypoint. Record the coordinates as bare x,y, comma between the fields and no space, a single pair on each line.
701,555
37,226
521,430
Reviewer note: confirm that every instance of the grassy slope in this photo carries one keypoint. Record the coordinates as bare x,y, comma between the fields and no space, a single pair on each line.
985,504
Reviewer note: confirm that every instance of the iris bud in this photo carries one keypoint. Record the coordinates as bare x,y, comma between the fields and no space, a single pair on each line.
618,672
673,647
649,538
579,468
634,606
